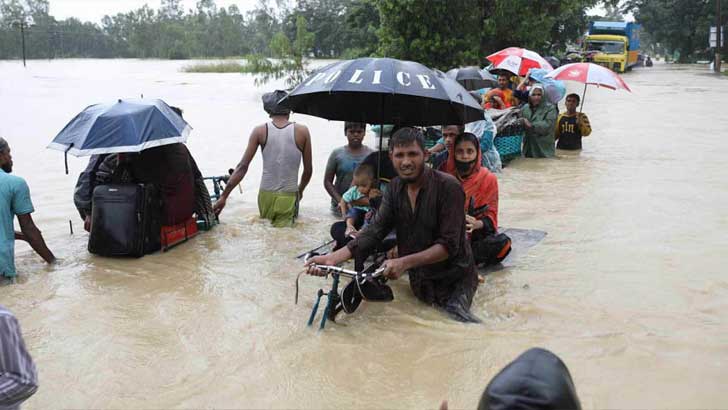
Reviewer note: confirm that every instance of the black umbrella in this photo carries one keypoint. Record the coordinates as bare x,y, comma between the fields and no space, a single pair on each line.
473,78
383,91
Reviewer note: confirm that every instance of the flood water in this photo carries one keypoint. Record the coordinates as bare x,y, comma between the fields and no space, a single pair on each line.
629,287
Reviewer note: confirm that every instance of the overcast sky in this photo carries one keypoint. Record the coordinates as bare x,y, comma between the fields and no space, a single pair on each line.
94,10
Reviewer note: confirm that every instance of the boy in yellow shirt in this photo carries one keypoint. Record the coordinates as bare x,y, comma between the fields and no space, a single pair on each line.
571,126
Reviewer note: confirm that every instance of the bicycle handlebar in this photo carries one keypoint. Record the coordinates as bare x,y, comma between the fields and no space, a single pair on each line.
337,270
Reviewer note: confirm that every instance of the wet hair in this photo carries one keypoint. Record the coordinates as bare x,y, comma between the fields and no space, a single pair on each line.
3,145
406,136
270,103
177,110
353,124
467,137
508,77
575,96
461,128
364,171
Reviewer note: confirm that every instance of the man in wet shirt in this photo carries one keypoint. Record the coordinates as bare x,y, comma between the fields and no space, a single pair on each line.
15,202
426,208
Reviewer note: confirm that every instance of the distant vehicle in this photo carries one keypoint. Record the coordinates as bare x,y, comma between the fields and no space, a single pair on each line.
613,44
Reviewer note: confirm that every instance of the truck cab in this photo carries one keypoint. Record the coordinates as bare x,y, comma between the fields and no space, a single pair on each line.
614,45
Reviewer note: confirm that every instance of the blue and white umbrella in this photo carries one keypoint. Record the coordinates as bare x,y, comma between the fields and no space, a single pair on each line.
555,90
383,91
123,126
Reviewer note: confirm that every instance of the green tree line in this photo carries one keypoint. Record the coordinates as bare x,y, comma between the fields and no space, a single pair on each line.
438,33
677,25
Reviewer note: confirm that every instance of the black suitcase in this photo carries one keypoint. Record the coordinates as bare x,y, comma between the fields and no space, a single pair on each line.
125,220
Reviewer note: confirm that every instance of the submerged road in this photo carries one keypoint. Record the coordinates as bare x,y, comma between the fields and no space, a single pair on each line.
629,286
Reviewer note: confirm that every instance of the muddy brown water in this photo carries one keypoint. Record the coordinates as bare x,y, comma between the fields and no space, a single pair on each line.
629,287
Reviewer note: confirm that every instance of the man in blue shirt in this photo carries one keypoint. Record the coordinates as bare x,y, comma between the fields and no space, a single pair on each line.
15,201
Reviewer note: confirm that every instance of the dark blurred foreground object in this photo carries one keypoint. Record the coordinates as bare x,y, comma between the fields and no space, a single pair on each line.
18,377
536,380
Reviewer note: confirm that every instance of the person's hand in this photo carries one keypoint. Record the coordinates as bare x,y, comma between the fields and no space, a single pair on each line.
394,268
472,224
219,205
527,123
374,193
300,194
311,264
342,208
393,253
87,223
443,405
350,231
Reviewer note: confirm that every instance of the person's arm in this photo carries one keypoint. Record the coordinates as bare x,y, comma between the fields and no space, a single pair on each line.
584,125
331,166
438,147
394,268
331,259
520,95
35,238
240,170
18,377
369,237
307,162
363,201
352,197
350,228
85,184
557,129
20,237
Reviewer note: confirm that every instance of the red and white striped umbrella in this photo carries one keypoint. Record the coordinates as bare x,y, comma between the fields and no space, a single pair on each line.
589,73
518,60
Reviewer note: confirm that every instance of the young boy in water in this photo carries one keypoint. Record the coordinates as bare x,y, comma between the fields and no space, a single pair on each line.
355,201
571,126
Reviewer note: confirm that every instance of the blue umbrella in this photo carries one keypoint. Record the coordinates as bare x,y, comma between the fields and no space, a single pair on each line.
383,91
555,89
123,126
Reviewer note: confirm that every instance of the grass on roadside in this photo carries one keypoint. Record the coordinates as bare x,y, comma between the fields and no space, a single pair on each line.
219,67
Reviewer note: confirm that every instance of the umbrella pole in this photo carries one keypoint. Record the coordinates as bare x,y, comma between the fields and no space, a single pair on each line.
379,155
65,156
583,98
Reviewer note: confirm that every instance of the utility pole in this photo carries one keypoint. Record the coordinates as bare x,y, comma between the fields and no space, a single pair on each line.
718,36
22,25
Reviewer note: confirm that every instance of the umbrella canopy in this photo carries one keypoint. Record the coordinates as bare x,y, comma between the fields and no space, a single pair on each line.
472,78
517,60
555,62
122,126
383,91
555,90
589,73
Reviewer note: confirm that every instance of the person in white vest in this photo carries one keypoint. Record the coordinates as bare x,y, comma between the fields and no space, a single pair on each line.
283,144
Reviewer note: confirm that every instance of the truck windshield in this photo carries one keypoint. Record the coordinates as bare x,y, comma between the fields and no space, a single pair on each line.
608,47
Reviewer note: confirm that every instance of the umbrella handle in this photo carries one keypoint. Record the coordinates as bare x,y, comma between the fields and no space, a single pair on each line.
65,156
